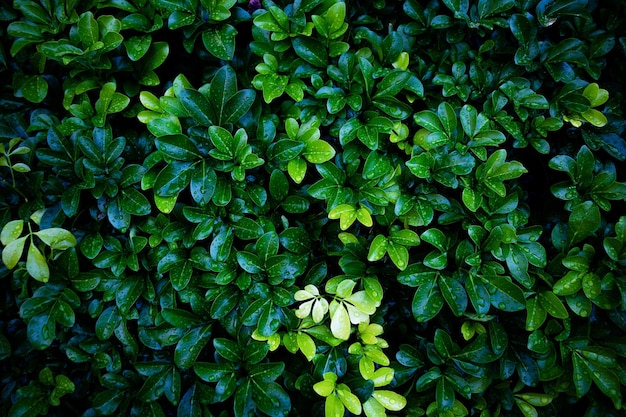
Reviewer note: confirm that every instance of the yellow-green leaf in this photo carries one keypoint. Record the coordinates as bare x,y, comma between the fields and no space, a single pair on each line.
364,216
324,388
348,399
11,231
390,400
306,345
12,252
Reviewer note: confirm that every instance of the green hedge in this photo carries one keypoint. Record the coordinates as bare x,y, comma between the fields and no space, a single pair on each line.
233,208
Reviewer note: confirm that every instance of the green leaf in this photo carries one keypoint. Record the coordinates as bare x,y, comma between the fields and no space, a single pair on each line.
334,17
583,222
496,170
29,407
447,116
12,252
311,50
392,83
607,381
428,120
203,183
324,388
220,42
376,166
404,237
393,107
270,398
137,47
36,264
552,304
378,248
536,314
222,140
274,20
34,89
178,147
398,254
247,229
306,345
595,117
41,331
266,372
478,295
172,179
128,293
237,106
349,400
507,296
223,87
190,345
427,301
444,395
436,238
180,275
295,240
197,106
455,295
134,202
318,151
390,400
487,8
582,375
11,231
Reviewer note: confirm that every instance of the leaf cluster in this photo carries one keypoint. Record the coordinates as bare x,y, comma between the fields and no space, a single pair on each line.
296,208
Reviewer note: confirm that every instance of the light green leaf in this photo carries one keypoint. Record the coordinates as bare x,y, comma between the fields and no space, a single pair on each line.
11,231
334,407
36,264
340,323
57,238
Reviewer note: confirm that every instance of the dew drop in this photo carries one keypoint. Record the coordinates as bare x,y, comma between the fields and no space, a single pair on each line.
501,306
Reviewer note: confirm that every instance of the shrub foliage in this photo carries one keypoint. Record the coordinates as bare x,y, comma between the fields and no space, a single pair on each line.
233,208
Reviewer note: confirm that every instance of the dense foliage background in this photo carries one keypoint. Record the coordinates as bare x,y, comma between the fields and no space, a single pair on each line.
233,208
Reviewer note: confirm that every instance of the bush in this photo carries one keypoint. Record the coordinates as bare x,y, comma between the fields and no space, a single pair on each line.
221,207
